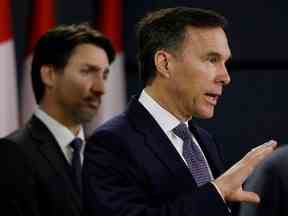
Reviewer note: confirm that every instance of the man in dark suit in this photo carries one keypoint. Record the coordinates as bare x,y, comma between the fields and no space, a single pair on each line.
270,181
41,163
152,159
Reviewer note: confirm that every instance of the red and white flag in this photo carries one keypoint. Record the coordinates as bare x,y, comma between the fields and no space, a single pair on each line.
114,100
43,19
8,88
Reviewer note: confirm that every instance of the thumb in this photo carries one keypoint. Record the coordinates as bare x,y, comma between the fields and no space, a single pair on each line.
245,196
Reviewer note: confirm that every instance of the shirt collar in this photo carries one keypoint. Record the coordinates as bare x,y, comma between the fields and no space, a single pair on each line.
165,119
61,133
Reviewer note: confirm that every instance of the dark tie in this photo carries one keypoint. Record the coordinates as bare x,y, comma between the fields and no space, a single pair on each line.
193,155
76,144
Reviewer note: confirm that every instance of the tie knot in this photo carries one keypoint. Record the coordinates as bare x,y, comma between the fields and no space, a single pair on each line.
76,144
182,131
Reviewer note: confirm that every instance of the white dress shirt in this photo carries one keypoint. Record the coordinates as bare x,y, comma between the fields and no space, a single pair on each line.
62,134
167,122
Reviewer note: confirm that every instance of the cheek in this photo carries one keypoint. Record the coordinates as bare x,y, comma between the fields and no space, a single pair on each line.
72,92
77,85
193,88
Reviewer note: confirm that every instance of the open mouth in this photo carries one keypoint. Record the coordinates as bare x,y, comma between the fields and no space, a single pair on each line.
212,98
94,103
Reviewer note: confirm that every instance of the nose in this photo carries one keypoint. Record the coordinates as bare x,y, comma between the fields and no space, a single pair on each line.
98,86
223,76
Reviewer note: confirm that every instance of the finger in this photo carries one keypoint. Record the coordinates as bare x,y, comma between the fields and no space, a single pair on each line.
253,158
259,153
246,196
270,143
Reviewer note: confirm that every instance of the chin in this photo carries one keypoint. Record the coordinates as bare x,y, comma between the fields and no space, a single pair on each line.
86,117
205,114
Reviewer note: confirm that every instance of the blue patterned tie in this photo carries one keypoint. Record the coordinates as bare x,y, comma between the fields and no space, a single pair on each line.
76,144
193,155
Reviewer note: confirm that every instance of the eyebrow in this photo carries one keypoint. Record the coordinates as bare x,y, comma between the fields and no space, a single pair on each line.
216,54
95,67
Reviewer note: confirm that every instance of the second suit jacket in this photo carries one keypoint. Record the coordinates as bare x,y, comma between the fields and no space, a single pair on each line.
131,168
35,175
270,182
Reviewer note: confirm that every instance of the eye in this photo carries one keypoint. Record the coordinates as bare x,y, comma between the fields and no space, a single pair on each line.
105,74
213,59
85,71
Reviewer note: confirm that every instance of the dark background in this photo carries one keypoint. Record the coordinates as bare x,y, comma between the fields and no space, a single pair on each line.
254,107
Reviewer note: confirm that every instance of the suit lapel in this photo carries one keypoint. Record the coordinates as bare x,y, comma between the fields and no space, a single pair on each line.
157,141
209,149
50,150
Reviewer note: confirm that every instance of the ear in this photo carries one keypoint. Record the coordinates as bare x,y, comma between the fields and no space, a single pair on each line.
47,73
161,61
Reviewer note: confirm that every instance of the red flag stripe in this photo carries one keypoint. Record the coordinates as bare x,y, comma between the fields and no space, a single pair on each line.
5,20
111,21
42,20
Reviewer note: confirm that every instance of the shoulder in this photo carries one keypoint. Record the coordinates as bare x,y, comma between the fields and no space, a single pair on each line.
121,136
116,126
272,168
112,132
20,138
269,181
14,140
15,160
278,159
20,143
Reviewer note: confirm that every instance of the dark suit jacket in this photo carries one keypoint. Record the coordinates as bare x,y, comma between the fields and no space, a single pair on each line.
270,182
131,168
35,176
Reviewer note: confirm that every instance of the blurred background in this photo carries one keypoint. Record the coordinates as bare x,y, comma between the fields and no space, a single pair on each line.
254,107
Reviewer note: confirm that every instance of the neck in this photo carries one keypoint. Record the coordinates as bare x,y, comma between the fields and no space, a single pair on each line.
60,116
166,101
